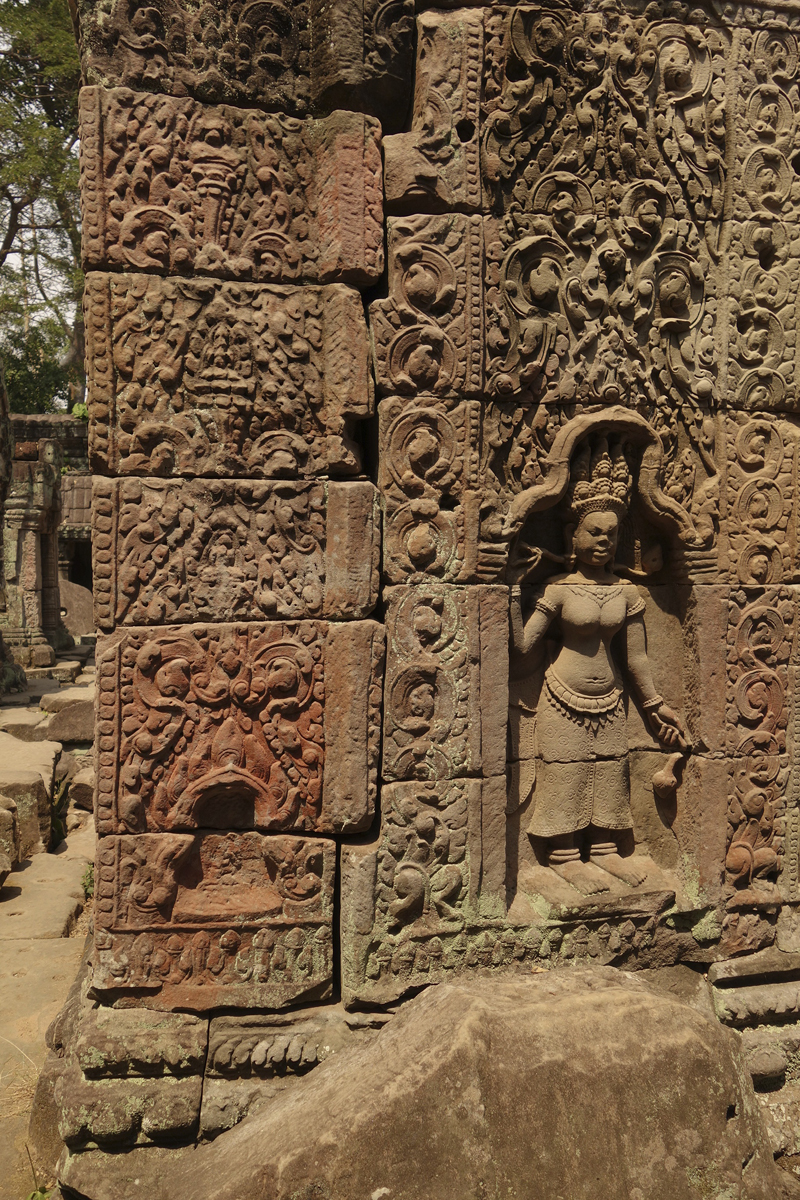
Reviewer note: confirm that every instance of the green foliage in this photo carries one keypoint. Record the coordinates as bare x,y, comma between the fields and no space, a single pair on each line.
81,411
87,881
41,332
35,379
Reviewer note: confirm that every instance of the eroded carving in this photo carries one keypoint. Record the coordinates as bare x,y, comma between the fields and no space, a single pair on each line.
172,186
204,916
219,550
201,377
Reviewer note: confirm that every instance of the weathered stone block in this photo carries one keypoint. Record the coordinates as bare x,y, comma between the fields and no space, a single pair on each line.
272,727
436,166
172,186
222,551
348,55
436,874
428,334
205,377
137,1042
105,1112
446,704
213,920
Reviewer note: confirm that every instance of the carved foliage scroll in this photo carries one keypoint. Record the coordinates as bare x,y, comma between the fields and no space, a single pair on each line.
208,378
227,726
428,332
225,551
763,325
415,909
215,918
446,691
172,186
762,500
762,629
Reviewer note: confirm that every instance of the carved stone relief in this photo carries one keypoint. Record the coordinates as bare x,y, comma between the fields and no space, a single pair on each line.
207,378
220,550
229,727
172,186
445,699
428,333
215,918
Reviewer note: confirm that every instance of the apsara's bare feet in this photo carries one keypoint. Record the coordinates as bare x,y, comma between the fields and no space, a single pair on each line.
584,877
626,869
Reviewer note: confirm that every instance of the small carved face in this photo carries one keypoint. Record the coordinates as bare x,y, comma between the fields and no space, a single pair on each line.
595,541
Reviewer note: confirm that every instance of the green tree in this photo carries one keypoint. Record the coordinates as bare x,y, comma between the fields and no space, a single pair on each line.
41,284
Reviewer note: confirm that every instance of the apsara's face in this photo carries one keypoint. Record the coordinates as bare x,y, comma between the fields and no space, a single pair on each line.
595,540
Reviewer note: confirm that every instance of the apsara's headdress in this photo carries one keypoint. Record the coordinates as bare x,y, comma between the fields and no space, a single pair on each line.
600,480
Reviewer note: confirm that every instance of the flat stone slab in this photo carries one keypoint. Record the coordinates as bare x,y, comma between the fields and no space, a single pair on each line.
42,897
53,702
21,723
35,977
34,756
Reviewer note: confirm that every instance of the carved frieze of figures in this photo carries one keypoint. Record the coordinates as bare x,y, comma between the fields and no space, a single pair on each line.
204,377
276,56
762,630
215,918
272,727
176,187
445,691
224,550
428,333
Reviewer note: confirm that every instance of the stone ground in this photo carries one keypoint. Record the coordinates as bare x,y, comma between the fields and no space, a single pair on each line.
44,918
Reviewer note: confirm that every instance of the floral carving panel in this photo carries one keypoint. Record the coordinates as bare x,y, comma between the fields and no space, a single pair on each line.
202,377
416,907
428,333
446,692
176,187
272,727
225,551
215,918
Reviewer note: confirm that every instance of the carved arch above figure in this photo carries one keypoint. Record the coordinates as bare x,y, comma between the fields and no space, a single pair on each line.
662,510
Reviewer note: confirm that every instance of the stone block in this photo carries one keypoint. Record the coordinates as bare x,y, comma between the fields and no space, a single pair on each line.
436,874
43,898
265,726
81,789
215,550
71,724
137,1042
438,525
358,58
214,920
428,333
436,166
266,382
26,776
173,186
53,702
490,1066
109,1112
76,607
446,704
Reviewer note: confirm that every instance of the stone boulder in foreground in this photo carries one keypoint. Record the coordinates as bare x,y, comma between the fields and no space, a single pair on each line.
570,1085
